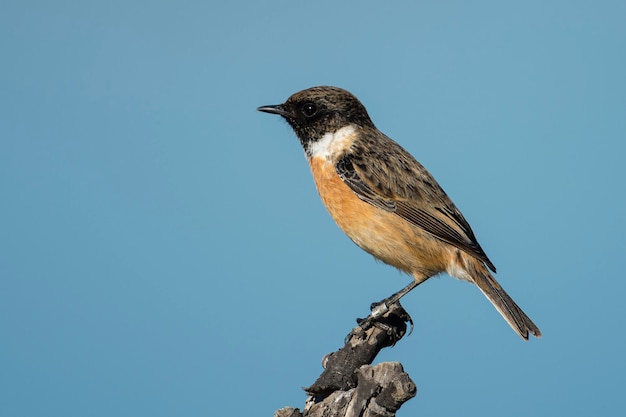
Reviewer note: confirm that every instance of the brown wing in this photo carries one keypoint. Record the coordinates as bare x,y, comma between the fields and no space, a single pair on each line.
383,174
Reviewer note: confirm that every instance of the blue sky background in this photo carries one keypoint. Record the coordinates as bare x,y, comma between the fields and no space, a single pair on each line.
163,250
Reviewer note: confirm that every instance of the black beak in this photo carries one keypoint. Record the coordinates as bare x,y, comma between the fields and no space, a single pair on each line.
277,109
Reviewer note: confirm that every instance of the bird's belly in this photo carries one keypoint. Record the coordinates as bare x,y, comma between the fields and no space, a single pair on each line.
381,233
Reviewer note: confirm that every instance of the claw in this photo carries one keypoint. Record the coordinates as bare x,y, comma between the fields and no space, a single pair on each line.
410,320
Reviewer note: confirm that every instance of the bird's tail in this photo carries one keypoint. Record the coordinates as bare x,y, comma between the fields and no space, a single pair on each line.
511,312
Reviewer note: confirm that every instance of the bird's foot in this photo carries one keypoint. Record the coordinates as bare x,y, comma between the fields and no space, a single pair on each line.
378,310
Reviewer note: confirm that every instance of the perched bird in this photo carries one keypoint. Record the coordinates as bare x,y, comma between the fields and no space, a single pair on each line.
386,201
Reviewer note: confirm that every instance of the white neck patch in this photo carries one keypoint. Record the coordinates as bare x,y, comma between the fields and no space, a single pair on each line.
332,144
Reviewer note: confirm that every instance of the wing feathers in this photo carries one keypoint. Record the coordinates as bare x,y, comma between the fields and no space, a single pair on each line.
403,186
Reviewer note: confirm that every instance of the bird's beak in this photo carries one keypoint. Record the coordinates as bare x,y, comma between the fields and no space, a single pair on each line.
276,109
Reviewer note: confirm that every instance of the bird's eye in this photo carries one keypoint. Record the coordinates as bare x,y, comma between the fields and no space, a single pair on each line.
309,109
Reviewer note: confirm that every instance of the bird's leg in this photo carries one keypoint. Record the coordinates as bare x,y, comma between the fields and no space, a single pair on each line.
381,308
378,309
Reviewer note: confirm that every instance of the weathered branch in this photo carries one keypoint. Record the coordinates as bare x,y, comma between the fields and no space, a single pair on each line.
350,386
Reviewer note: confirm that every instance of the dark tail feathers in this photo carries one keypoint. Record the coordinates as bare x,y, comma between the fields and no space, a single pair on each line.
511,312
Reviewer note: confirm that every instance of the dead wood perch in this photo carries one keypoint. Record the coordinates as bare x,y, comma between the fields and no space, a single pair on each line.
350,386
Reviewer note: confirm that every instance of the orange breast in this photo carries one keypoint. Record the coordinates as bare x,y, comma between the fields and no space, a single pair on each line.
383,234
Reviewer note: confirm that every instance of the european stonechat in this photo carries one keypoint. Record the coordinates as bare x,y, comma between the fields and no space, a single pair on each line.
386,201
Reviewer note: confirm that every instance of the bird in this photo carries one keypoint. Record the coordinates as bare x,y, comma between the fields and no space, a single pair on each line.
386,202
